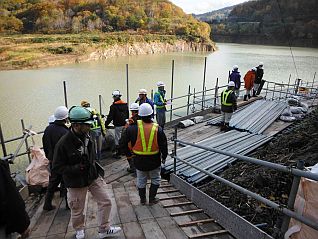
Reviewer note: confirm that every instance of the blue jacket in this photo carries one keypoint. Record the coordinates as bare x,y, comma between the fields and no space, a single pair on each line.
149,101
235,76
159,100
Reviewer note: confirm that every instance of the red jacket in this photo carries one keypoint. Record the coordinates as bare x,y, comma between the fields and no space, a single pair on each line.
249,79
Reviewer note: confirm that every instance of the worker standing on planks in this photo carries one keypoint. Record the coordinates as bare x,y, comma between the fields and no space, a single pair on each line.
149,145
228,105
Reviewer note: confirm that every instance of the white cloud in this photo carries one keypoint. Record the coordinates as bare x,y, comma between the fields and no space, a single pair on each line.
203,6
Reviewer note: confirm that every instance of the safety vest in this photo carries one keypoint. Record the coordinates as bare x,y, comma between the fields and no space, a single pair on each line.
161,99
146,143
225,96
97,123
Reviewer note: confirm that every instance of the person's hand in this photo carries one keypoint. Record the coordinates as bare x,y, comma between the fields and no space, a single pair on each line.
163,161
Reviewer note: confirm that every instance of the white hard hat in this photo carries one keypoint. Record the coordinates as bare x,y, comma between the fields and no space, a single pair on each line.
142,92
261,64
231,84
145,109
134,106
254,69
61,113
160,83
235,67
51,119
116,93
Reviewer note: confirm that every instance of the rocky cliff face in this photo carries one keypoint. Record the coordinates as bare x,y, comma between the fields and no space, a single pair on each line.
143,48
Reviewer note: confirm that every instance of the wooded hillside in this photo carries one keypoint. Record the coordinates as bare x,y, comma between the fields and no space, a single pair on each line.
271,22
74,16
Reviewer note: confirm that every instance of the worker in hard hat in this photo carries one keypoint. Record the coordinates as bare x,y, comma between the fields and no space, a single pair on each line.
134,107
51,136
75,158
228,105
98,128
235,76
249,82
149,147
160,103
258,79
118,113
142,98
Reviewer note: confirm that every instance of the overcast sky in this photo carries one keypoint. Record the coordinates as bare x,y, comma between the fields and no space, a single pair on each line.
203,6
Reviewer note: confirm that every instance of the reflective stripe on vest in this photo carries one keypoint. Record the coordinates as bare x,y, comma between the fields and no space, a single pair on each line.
162,100
141,147
225,95
95,125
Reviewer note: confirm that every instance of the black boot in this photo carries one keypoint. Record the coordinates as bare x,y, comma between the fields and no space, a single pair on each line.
254,93
245,98
48,201
66,204
249,96
223,128
227,127
142,195
152,194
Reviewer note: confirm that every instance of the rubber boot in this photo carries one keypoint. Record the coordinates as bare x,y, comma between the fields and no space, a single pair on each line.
116,154
245,98
227,127
223,128
152,194
142,195
48,201
66,204
249,96
254,93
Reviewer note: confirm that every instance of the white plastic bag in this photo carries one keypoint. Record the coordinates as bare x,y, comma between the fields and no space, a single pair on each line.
37,172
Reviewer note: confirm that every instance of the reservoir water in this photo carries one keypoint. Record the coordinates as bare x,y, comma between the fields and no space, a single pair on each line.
33,95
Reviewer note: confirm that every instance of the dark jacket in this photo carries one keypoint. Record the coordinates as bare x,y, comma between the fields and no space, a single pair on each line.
74,162
231,99
235,76
259,75
146,162
118,113
51,136
158,100
149,101
13,216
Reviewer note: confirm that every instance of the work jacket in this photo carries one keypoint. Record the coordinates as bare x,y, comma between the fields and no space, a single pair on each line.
98,123
159,148
118,113
51,136
235,76
75,159
149,101
228,101
159,100
259,75
249,80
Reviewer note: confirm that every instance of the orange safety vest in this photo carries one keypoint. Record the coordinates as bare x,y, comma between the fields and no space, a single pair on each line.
146,143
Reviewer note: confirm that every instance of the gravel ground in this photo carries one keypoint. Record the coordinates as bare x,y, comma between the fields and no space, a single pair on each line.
298,142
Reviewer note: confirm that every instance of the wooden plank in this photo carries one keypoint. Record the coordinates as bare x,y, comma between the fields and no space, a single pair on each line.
125,209
208,234
166,186
61,220
172,197
175,214
45,221
24,192
158,211
170,228
177,204
133,230
56,236
186,224
168,191
152,230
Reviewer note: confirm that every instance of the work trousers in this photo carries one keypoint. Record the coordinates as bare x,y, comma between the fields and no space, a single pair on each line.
161,117
226,117
118,130
142,176
237,92
248,92
76,200
256,86
98,140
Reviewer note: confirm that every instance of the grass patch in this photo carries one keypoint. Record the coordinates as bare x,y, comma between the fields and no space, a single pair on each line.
60,50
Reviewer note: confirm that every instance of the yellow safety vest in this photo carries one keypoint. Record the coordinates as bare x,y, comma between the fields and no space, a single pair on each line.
225,95
146,132
160,106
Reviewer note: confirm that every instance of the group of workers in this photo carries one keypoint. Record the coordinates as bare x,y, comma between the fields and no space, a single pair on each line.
74,153
252,83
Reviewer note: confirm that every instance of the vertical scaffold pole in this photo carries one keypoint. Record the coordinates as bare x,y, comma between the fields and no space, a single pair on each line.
65,93
172,79
127,84
100,103
216,89
188,102
203,86
26,141
175,150
3,145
